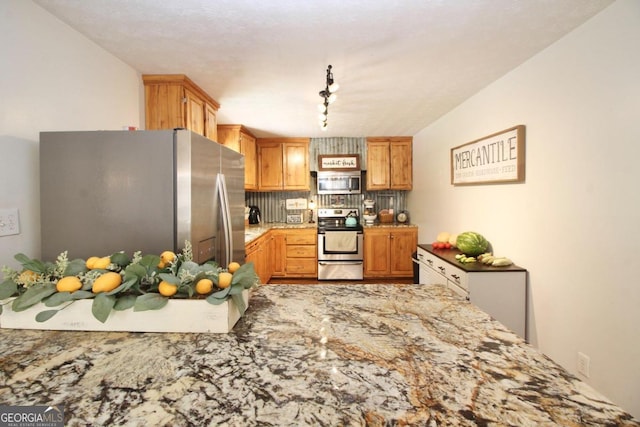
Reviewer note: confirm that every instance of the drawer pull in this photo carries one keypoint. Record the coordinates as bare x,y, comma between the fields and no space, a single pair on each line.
430,262
456,277
442,269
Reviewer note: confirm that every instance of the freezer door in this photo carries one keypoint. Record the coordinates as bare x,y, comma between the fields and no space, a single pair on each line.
106,191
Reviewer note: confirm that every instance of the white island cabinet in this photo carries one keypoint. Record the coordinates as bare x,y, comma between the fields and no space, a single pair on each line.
499,291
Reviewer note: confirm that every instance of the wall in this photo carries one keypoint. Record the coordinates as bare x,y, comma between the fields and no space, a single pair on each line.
574,222
52,78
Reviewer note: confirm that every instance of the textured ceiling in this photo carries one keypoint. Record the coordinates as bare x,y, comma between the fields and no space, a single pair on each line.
401,64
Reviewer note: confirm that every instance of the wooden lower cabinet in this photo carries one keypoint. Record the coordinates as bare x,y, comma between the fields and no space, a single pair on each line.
260,253
279,253
295,253
388,250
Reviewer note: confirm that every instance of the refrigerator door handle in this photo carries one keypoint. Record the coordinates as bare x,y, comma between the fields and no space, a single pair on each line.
226,219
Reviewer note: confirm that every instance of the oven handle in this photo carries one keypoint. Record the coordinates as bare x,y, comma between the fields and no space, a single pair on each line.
340,262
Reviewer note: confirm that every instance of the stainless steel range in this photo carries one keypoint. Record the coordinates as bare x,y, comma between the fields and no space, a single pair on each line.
340,244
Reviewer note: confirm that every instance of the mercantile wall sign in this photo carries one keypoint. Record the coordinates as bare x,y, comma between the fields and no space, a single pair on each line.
497,158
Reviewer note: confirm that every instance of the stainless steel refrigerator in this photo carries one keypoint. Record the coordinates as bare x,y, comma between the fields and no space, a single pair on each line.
150,191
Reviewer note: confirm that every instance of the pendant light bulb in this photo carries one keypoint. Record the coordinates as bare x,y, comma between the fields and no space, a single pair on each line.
328,95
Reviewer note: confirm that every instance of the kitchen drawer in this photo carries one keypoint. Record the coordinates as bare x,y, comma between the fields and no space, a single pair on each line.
302,266
444,269
428,259
456,275
302,238
301,251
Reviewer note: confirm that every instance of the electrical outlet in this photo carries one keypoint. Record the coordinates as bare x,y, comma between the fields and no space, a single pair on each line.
583,364
9,222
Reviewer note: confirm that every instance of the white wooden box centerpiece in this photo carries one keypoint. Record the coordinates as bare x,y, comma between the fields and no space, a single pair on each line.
143,293
179,315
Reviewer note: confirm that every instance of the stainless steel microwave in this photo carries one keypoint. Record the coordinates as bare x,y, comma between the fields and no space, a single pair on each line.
339,182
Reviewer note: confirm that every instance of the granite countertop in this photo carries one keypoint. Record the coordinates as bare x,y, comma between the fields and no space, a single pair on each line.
389,225
321,355
252,232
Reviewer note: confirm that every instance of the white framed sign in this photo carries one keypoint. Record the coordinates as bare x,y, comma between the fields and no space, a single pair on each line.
339,162
497,158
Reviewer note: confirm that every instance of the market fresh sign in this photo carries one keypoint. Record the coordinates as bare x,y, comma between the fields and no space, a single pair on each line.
492,159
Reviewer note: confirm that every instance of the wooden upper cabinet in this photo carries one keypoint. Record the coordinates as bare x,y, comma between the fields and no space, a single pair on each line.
295,158
239,139
378,165
211,122
283,164
390,163
269,165
195,112
174,101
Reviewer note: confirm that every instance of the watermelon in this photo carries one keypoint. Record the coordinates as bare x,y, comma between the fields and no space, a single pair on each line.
471,243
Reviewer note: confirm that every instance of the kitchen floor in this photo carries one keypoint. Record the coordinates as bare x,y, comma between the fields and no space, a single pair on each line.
330,282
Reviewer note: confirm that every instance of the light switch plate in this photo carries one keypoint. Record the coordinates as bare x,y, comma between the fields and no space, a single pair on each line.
9,222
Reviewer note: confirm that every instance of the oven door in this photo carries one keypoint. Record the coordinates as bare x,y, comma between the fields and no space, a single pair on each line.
330,250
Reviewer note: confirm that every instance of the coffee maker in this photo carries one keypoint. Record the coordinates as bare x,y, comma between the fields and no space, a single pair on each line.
254,215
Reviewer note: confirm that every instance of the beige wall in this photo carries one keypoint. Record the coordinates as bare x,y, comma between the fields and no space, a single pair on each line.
52,78
574,222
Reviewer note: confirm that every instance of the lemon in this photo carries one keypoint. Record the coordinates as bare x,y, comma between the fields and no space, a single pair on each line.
101,263
233,267
27,276
204,286
167,289
166,258
68,284
224,279
107,282
91,261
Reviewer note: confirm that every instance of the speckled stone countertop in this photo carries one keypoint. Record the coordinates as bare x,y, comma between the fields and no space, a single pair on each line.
315,355
252,232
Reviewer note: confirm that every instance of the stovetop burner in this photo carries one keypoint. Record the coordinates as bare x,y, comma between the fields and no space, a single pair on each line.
335,219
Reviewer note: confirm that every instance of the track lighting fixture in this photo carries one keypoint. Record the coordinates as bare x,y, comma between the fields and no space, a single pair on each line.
328,94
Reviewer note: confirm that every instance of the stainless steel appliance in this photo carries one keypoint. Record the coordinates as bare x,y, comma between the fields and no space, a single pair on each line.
339,182
254,215
150,191
340,246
